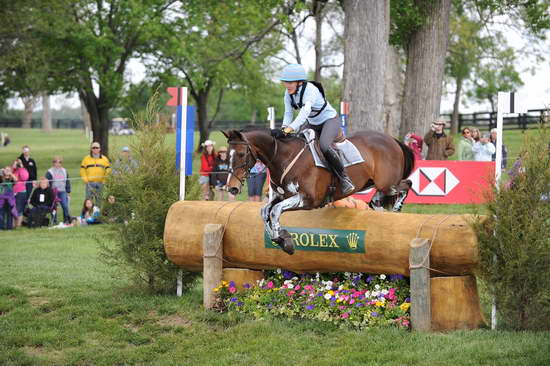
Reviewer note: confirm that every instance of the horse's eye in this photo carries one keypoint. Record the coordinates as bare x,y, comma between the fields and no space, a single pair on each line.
240,154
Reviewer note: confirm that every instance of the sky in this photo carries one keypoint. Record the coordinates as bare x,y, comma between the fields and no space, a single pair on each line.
536,88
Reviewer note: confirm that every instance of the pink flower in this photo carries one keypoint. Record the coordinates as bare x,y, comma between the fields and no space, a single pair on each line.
291,292
351,301
232,290
270,284
341,307
308,287
345,315
302,292
297,287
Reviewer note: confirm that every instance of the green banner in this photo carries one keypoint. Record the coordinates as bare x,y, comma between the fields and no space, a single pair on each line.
331,240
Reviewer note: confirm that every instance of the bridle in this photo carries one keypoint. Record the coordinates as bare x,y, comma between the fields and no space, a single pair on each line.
249,154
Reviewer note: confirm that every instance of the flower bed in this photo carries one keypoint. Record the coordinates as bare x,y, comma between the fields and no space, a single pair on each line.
347,299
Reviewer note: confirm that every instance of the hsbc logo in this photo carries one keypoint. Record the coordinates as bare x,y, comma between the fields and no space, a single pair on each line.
427,181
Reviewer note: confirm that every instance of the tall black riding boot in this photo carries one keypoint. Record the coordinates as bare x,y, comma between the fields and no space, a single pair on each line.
338,169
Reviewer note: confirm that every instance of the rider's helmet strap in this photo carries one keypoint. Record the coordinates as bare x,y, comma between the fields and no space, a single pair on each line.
300,104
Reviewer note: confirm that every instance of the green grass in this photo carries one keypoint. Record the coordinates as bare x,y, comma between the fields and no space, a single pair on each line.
59,305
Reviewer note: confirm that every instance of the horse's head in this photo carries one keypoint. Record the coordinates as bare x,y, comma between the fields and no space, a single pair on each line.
241,160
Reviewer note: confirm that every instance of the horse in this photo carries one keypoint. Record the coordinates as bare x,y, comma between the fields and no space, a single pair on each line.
298,184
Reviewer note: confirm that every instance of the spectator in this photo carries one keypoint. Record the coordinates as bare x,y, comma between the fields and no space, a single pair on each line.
415,143
90,213
256,180
125,163
483,149
31,167
8,209
440,146
465,145
504,162
109,212
93,170
476,135
59,181
208,161
220,174
4,139
19,189
42,200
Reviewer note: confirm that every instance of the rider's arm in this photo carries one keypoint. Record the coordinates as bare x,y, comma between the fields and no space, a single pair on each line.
287,118
302,116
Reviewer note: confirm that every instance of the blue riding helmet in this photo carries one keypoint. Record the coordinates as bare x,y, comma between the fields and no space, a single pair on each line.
293,72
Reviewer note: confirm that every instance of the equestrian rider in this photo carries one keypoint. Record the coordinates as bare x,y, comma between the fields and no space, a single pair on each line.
317,111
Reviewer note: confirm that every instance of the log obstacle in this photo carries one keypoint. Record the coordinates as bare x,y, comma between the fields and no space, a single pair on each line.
337,240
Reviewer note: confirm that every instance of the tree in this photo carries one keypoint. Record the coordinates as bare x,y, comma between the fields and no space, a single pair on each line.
426,50
364,59
215,49
96,40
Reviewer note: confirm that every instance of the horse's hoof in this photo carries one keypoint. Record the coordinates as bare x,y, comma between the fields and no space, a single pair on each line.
288,244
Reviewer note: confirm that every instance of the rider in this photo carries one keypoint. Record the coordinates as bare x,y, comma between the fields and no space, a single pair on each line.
317,111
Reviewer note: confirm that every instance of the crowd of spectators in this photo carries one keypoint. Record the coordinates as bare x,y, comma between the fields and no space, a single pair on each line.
32,200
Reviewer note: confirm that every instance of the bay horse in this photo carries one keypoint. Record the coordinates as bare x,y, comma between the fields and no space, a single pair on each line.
298,184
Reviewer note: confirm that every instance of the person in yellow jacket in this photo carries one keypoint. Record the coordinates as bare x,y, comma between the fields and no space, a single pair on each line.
93,170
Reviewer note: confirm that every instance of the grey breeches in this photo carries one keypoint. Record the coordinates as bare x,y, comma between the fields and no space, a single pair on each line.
329,130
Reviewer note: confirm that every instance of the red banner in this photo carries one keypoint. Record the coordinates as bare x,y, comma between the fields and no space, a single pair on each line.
448,182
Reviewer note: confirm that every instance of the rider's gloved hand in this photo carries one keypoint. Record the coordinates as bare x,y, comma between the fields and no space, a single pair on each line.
288,130
277,133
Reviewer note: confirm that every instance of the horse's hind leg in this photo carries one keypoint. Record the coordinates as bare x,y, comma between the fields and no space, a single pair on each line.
377,201
281,236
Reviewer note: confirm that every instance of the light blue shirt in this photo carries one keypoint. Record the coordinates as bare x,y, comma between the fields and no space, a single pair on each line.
313,101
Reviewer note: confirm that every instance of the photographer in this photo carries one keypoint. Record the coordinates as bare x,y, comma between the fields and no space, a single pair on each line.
8,210
484,148
440,146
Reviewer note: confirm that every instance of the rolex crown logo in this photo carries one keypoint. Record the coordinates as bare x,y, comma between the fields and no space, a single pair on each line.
353,240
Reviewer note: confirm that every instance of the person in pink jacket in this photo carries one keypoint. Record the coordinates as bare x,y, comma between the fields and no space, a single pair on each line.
415,143
19,189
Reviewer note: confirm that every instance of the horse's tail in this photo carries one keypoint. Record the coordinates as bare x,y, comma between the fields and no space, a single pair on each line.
409,159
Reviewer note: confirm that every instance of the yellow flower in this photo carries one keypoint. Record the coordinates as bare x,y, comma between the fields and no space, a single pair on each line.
405,306
379,303
339,300
216,289
225,283
330,292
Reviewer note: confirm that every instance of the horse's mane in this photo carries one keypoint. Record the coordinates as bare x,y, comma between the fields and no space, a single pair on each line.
267,130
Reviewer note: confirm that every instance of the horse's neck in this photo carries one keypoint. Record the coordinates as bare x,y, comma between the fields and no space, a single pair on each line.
276,155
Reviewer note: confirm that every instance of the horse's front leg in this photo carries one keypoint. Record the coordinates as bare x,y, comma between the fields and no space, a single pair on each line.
282,237
266,210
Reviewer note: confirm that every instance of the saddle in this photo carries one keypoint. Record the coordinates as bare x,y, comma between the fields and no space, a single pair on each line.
345,147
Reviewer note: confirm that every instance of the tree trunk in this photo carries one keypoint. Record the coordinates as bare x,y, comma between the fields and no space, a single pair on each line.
202,116
393,92
426,51
28,103
456,107
85,116
46,113
254,116
366,42
99,118
318,14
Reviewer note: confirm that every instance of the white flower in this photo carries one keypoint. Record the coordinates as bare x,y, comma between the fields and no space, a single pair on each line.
278,270
374,294
328,287
295,278
347,274
385,292
377,287
367,294
328,296
340,288
382,276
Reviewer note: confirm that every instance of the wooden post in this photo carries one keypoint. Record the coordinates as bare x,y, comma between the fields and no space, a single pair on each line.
212,262
419,259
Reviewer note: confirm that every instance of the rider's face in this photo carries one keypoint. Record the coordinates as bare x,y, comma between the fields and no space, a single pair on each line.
290,86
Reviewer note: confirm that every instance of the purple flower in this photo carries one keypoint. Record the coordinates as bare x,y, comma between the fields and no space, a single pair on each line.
287,275
396,277
374,313
319,294
231,283
408,299
332,299
359,304
239,304
247,285
310,307
369,279
233,299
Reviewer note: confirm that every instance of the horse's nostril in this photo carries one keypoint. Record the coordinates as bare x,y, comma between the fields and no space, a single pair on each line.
234,191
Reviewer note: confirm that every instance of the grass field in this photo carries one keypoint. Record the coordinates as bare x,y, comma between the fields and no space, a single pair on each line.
59,305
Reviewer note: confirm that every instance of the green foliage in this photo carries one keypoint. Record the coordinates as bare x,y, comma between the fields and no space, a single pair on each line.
143,196
514,242
406,16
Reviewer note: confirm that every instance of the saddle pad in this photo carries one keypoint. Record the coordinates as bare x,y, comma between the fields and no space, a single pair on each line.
350,153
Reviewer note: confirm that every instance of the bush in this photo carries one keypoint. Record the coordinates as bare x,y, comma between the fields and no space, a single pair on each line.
514,242
143,195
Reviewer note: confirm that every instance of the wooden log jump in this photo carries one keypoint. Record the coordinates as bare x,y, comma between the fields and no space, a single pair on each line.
229,236
327,240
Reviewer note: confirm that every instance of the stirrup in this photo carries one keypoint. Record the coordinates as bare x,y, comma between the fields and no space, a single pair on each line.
347,185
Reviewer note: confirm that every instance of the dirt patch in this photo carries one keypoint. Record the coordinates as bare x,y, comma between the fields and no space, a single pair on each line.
132,328
38,301
174,321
